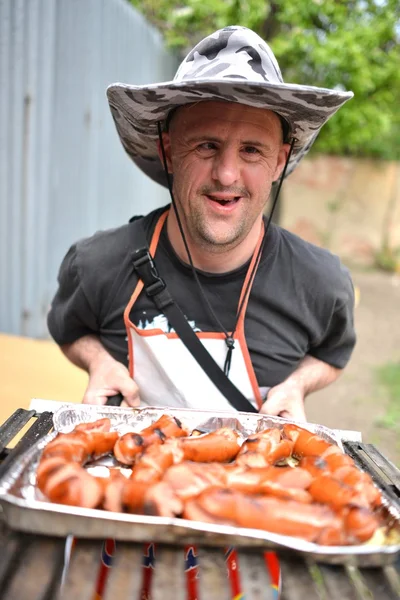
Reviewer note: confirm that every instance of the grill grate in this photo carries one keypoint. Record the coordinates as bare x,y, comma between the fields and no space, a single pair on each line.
42,424
31,566
382,471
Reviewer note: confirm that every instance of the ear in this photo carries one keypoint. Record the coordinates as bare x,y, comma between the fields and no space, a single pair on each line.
167,149
282,158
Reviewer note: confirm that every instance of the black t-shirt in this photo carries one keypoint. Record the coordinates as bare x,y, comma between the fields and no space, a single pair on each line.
301,300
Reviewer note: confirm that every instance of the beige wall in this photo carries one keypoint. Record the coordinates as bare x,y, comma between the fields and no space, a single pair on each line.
351,206
35,369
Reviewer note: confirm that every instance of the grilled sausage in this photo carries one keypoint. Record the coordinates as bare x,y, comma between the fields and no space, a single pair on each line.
133,495
305,442
190,479
361,482
79,446
314,465
360,524
99,425
328,490
74,447
265,448
160,499
166,427
152,464
270,514
47,468
326,499
130,445
112,488
72,485
101,443
221,445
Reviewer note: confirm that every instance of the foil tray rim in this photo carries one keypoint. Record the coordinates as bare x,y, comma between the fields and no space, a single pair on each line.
289,542
45,511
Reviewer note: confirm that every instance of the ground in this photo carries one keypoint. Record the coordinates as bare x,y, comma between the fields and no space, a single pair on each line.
364,398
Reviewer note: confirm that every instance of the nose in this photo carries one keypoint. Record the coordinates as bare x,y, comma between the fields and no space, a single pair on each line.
226,167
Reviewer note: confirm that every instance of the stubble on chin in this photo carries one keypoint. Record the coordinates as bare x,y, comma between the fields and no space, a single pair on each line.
212,240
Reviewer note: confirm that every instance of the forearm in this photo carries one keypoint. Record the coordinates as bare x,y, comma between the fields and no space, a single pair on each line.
107,376
86,352
287,398
312,374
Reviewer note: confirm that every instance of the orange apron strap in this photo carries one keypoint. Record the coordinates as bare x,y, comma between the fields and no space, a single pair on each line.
153,245
240,324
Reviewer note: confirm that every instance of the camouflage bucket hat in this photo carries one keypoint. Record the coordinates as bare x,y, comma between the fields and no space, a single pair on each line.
233,64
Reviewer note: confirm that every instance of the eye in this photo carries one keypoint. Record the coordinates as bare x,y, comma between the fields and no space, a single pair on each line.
207,146
251,150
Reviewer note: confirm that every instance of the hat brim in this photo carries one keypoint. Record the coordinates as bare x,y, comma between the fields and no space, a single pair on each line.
137,109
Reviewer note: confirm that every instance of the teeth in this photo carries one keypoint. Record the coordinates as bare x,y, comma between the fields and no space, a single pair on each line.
224,201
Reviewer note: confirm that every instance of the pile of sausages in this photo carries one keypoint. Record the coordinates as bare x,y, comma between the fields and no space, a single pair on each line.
219,478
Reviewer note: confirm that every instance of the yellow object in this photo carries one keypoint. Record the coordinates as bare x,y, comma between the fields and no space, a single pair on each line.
36,369
357,296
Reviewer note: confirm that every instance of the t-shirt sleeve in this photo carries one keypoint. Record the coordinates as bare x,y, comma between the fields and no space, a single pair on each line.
71,316
338,340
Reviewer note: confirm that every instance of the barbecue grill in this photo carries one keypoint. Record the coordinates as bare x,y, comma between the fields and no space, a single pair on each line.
33,566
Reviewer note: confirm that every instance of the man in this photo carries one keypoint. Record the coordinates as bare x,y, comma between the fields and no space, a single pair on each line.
274,311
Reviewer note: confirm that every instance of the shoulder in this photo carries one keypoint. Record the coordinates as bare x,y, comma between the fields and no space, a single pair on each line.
106,250
318,269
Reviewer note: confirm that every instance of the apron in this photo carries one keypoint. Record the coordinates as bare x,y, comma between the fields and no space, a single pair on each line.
168,375
166,372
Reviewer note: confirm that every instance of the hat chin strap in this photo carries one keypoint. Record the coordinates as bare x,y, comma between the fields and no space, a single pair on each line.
282,177
228,336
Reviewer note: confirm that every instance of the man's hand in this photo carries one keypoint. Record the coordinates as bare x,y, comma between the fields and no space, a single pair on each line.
108,377
287,399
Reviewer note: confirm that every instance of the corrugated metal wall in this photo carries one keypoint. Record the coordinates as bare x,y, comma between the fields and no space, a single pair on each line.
63,172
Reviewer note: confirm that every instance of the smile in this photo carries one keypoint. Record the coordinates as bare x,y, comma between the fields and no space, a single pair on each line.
225,201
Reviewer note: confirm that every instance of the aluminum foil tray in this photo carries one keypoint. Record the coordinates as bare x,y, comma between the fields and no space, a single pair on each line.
26,509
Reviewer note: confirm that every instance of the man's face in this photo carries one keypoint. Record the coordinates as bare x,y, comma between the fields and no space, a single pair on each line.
224,158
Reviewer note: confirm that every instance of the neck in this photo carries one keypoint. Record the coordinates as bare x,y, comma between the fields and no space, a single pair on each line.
209,259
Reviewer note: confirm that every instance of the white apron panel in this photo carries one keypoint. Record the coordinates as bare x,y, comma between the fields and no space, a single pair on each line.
168,375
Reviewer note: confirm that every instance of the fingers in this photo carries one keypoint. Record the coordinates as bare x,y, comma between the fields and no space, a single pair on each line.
275,403
93,396
130,392
297,413
127,388
283,404
109,378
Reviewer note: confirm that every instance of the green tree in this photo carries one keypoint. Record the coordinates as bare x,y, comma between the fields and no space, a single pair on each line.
348,44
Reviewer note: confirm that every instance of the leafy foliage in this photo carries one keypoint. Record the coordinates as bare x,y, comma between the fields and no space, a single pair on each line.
388,376
348,44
